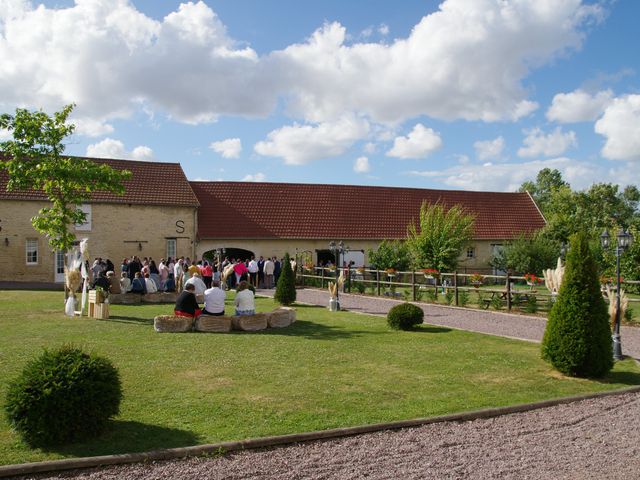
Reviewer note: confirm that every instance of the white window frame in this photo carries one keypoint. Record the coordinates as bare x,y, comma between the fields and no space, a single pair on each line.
86,226
31,249
471,252
172,244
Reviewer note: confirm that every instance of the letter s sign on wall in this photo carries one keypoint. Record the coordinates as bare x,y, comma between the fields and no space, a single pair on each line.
180,226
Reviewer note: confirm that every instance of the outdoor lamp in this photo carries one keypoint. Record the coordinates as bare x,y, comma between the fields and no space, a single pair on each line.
624,241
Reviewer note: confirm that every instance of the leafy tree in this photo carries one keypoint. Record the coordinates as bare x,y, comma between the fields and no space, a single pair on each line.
35,161
528,255
390,254
440,237
577,340
286,287
547,182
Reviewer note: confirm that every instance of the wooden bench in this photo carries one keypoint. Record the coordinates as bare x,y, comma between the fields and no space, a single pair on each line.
279,318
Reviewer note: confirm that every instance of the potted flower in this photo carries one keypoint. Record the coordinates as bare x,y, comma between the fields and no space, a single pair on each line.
430,273
308,266
476,279
531,280
391,272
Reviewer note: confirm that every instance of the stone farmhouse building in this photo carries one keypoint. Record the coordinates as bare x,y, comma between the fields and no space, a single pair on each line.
163,214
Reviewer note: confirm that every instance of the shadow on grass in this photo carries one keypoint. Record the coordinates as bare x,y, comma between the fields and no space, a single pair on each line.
623,378
315,331
431,329
125,319
128,437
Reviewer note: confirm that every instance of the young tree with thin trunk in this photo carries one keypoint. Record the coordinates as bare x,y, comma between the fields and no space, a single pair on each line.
34,160
440,236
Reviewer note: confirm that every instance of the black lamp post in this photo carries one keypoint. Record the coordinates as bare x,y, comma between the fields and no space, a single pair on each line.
337,249
624,240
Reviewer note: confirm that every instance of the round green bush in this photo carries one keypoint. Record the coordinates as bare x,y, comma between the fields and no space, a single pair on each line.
405,316
63,396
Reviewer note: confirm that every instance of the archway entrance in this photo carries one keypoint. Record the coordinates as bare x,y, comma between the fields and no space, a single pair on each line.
229,252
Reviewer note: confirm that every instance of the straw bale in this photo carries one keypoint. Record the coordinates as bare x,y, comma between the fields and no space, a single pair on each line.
172,323
211,323
281,317
250,323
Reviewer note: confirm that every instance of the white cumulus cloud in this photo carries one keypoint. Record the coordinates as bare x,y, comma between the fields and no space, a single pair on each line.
420,142
507,177
229,148
489,149
620,124
578,106
110,148
258,177
554,144
467,60
301,144
361,165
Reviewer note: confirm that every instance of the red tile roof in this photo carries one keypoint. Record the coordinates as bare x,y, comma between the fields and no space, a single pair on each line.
307,211
151,183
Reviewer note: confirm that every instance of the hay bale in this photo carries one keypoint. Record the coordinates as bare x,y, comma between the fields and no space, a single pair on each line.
172,323
125,299
169,297
250,323
211,323
282,317
155,297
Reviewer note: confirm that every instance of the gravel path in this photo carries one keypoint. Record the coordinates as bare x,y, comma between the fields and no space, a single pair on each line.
591,439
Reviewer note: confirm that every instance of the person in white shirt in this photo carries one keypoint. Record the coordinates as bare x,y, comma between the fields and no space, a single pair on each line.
245,301
197,282
151,285
177,274
125,283
268,269
253,272
214,299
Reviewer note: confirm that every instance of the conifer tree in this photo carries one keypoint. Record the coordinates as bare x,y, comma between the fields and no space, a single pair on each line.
577,340
286,287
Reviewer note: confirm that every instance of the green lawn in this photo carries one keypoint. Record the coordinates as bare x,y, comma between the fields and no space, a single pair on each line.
327,370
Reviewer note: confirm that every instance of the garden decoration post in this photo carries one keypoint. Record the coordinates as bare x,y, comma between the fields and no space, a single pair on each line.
624,240
338,249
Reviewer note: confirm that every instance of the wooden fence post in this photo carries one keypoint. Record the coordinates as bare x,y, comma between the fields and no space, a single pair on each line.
508,291
455,285
378,281
322,279
413,285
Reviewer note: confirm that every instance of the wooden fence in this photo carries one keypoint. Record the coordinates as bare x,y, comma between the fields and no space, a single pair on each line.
502,288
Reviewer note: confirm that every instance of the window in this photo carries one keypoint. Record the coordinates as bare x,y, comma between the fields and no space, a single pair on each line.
471,252
86,226
171,247
32,251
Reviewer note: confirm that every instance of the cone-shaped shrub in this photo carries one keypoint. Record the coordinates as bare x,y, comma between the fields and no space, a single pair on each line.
63,396
286,287
577,340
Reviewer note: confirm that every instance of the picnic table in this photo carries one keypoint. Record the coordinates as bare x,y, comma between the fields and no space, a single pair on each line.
502,295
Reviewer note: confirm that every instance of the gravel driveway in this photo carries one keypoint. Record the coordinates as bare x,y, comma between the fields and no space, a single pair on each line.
591,439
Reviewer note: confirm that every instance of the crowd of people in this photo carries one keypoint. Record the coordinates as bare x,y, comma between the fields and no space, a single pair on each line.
191,278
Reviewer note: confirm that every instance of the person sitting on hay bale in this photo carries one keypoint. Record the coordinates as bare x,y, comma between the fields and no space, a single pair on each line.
186,303
214,300
245,300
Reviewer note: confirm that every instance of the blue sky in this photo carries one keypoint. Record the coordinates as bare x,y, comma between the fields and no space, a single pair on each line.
459,94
